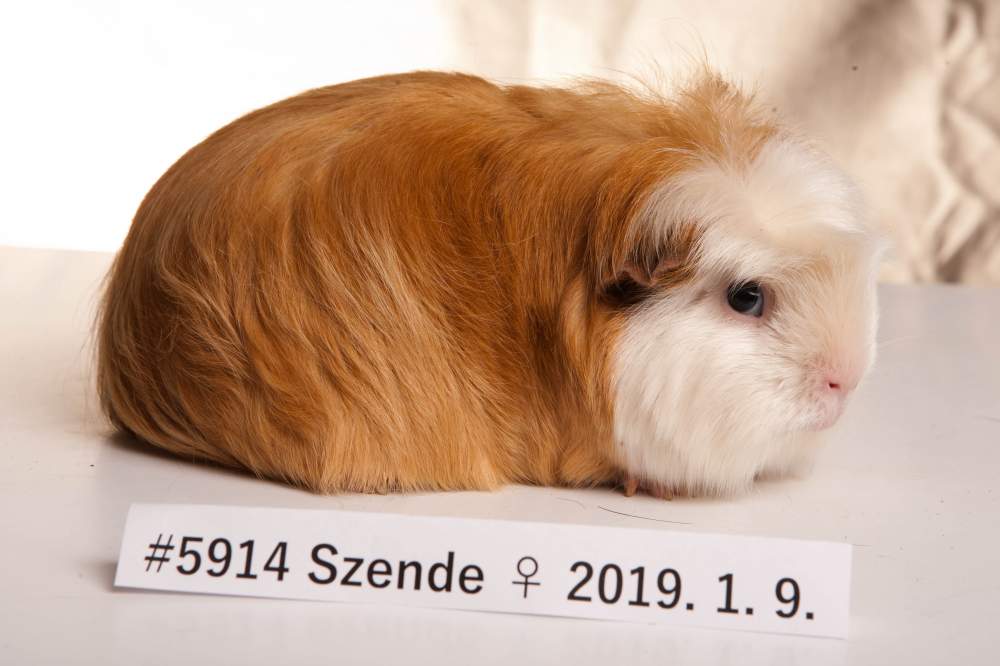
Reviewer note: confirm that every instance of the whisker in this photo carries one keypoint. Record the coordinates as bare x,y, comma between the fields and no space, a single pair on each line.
883,343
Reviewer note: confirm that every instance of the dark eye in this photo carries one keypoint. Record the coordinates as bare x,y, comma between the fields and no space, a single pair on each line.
746,298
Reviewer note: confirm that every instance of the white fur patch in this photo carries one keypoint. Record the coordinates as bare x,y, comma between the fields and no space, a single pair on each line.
706,399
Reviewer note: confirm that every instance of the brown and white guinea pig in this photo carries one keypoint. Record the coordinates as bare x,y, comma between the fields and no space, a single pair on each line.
429,281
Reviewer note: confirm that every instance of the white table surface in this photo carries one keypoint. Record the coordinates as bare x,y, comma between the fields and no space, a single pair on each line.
911,478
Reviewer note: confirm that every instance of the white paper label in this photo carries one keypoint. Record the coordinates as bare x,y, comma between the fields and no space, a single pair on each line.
613,573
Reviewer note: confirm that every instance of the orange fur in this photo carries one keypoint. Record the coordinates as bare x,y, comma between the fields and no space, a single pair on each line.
401,282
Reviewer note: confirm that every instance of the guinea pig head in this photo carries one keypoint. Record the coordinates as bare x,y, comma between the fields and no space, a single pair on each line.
748,308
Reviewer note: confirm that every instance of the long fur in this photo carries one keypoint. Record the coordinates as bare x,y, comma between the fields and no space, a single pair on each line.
428,281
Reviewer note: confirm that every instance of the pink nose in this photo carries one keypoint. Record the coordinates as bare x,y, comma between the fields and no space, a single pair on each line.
841,383
834,387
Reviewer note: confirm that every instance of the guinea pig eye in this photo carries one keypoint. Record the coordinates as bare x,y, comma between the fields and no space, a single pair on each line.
746,298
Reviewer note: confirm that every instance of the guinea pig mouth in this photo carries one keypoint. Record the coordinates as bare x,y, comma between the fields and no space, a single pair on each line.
824,422
828,412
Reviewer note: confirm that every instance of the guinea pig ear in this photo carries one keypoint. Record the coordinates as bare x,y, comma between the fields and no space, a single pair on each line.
654,265
639,275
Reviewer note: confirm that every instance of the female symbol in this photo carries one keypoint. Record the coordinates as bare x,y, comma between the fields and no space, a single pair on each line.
527,567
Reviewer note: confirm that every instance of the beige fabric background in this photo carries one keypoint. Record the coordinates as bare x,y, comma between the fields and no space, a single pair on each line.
904,93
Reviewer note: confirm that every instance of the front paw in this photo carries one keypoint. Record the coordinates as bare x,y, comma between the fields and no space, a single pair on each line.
631,485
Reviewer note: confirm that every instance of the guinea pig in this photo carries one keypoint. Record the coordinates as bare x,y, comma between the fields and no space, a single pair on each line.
429,281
